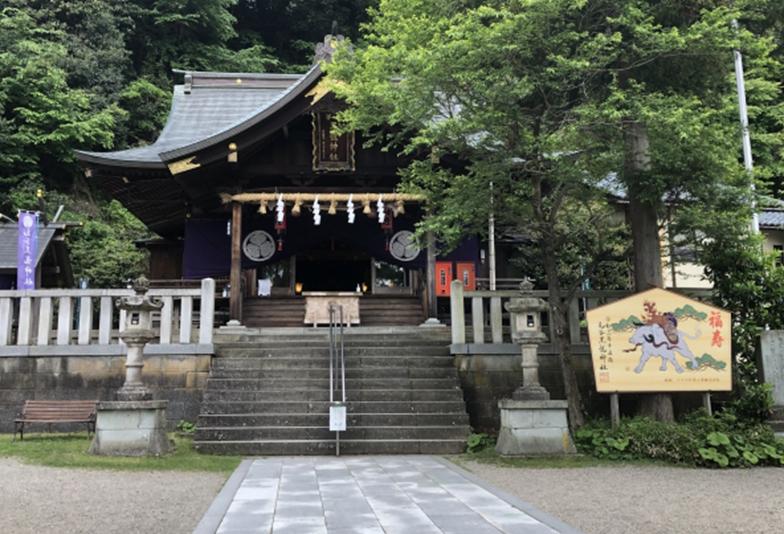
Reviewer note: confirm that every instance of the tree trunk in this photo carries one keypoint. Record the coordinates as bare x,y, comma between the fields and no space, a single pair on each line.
561,343
643,218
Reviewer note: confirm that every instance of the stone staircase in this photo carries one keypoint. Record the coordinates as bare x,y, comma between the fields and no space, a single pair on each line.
273,312
390,310
268,394
374,310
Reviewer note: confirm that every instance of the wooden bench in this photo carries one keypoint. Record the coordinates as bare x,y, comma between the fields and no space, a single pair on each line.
56,411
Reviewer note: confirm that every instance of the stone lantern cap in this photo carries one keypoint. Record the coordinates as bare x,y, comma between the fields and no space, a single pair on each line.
140,301
527,302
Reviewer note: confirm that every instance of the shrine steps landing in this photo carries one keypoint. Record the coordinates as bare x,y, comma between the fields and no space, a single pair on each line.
374,310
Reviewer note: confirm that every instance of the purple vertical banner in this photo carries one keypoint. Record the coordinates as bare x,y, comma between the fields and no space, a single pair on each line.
26,250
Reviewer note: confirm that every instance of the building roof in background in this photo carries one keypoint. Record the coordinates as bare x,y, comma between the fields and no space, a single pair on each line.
206,108
612,185
9,234
772,218
771,210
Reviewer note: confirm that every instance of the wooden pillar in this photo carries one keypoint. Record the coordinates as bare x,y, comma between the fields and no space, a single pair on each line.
235,294
706,402
432,307
615,410
293,274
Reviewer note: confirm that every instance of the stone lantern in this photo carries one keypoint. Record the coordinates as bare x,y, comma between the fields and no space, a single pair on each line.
138,332
531,423
134,424
526,312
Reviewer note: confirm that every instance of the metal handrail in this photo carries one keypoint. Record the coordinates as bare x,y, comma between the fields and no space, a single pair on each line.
337,363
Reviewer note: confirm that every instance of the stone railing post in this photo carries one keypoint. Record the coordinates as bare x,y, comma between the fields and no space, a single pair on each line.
457,312
24,329
207,314
6,320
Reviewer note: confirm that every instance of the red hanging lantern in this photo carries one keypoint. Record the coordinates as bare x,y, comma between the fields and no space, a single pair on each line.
388,226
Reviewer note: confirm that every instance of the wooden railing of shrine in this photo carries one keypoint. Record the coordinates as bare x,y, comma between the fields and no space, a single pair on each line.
483,284
478,318
85,317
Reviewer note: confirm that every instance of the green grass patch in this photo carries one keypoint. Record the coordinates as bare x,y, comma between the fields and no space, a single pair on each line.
489,456
70,450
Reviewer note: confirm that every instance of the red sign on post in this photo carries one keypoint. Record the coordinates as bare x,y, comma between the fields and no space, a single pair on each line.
443,278
466,272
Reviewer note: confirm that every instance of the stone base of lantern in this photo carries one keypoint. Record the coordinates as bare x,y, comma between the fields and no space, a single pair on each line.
135,392
534,428
131,428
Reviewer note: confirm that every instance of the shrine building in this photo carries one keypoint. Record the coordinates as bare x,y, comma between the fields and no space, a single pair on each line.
247,183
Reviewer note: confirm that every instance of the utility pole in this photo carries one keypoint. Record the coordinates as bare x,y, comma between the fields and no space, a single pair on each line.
748,162
491,241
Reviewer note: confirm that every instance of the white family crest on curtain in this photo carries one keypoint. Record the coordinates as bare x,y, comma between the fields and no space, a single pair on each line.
403,246
259,246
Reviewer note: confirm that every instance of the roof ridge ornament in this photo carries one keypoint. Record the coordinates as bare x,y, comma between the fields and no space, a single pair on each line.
325,49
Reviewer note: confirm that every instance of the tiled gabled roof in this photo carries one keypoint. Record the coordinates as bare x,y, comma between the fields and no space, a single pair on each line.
9,234
207,107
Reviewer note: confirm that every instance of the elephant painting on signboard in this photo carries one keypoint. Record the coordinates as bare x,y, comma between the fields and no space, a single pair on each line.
655,342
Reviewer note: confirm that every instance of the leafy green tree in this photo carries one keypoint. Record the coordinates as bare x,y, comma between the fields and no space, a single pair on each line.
93,33
146,107
543,100
670,103
190,34
102,244
41,118
765,93
291,29
488,95
103,250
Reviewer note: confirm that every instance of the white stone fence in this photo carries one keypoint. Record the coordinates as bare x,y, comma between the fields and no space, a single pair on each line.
478,317
78,317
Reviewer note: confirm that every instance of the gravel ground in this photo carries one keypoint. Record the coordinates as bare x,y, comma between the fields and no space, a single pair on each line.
648,499
35,499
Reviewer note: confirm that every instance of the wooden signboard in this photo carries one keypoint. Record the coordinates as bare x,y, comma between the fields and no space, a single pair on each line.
658,341
331,151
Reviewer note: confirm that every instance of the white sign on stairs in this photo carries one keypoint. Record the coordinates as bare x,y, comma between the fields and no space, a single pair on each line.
337,417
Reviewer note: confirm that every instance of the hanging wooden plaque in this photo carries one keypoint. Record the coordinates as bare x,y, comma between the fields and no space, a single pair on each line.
331,151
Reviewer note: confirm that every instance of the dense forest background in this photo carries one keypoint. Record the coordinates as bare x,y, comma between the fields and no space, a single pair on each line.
97,74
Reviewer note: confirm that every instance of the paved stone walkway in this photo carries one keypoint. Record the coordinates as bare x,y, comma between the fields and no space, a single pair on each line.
367,495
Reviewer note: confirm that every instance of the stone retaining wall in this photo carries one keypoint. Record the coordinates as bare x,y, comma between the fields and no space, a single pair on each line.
489,377
178,379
